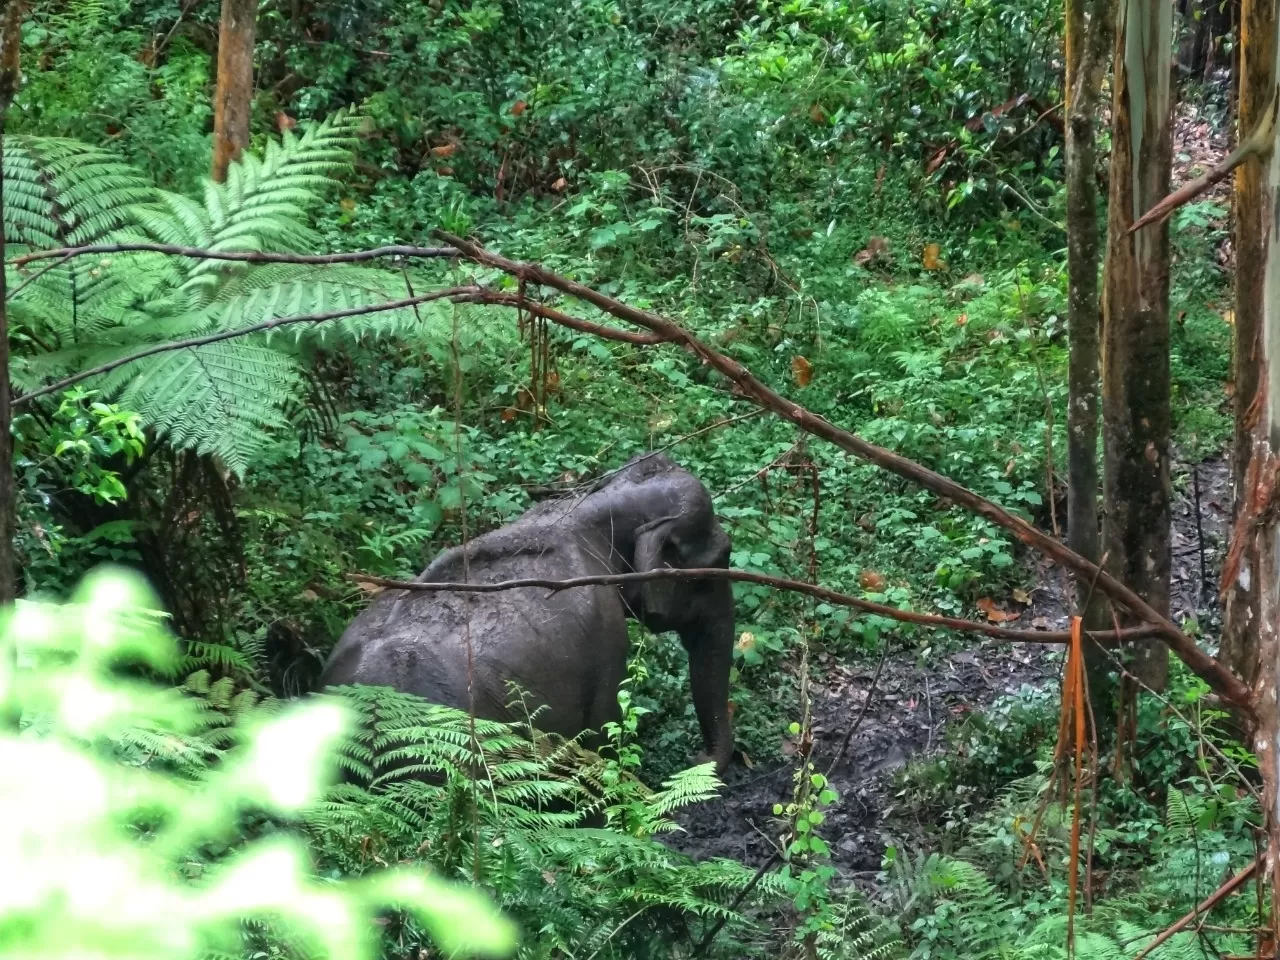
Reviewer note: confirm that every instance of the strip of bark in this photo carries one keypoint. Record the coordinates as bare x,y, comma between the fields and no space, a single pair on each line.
241,332
238,256
929,620
748,386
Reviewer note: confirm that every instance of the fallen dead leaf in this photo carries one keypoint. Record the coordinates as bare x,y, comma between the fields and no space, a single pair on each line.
802,370
872,580
994,613
1021,595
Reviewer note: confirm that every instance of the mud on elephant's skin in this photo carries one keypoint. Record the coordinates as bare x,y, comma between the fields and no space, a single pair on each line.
566,650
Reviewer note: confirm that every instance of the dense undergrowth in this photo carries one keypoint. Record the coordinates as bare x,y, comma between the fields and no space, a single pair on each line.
800,184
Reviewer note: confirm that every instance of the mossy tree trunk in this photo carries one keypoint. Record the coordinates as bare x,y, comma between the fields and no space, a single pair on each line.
1257,80
233,99
1088,36
1135,327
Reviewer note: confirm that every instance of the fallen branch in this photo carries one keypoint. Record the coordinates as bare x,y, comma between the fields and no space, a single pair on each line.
1259,142
237,256
1204,906
1225,683
240,332
930,620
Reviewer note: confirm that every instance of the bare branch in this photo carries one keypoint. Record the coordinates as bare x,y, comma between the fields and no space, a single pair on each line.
929,620
237,256
1225,683
555,316
1258,144
242,332
1204,906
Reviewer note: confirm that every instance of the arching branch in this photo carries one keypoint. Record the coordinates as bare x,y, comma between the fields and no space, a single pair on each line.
929,620
746,384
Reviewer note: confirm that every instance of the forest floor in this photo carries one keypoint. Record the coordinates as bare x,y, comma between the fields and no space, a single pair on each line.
916,701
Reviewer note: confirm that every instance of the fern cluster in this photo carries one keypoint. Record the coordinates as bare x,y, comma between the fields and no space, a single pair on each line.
528,816
984,903
224,398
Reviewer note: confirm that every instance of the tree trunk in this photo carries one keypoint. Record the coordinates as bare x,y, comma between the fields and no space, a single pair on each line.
1256,537
10,49
1135,358
233,98
1238,650
1087,41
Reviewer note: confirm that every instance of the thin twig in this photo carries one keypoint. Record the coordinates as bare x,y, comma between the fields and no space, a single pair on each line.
237,256
240,332
866,706
931,620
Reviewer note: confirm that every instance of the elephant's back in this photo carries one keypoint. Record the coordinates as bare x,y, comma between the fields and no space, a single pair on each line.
431,642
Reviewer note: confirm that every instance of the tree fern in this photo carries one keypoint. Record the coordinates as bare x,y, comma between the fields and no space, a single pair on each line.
222,399
511,803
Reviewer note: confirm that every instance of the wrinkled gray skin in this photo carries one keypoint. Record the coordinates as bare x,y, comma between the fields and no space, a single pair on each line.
567,650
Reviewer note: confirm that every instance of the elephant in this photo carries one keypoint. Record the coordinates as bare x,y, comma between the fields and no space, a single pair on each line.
567,649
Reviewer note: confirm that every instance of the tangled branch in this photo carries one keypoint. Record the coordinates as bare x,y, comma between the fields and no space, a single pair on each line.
746,384
930,620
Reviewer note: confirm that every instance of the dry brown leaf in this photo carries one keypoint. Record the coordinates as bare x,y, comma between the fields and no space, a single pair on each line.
932,257
1021,595
518,108
444,150
994,613
877,248
802,370
872,580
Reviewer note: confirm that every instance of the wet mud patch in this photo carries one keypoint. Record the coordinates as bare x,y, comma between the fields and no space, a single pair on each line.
917,699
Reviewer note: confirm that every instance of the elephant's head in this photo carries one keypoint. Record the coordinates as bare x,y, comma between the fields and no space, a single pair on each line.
657,515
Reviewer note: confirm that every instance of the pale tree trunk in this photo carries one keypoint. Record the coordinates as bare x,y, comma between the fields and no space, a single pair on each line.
10,36
1253,223
1087,41
233,99
1135,350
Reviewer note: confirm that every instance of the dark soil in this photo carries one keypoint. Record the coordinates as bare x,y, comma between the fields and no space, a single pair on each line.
917,698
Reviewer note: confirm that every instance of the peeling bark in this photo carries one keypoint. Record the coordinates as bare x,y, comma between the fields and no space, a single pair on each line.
1135,350
233,99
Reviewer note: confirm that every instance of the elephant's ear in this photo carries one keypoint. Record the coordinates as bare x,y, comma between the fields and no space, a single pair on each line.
654,551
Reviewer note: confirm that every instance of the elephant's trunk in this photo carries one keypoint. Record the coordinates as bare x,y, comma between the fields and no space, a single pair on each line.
710,647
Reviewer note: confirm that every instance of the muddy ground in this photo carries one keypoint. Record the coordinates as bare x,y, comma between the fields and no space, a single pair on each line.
913,704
